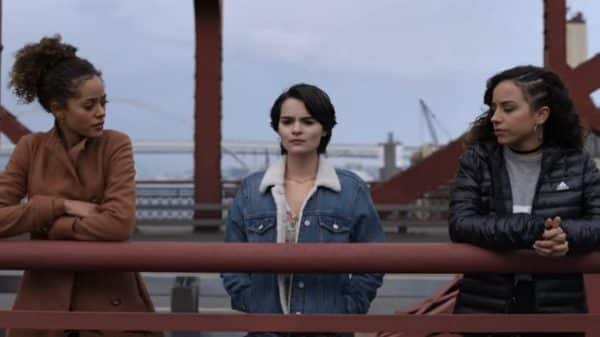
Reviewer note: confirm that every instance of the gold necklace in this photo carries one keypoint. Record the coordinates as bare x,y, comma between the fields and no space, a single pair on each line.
300,180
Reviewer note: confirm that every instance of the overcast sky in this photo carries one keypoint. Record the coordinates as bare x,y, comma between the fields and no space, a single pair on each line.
375,59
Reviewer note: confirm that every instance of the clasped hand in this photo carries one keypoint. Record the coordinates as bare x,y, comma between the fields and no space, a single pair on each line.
554,240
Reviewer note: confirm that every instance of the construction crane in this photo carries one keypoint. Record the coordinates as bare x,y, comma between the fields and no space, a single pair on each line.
430,118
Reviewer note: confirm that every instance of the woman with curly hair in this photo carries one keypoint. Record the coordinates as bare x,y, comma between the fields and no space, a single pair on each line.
77,181
526,183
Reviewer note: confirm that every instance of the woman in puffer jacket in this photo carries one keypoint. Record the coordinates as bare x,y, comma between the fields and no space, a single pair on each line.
525,182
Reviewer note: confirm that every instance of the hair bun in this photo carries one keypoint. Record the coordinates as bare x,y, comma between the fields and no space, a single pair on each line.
33,62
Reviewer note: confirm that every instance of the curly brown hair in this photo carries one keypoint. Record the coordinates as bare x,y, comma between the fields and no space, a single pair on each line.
50,71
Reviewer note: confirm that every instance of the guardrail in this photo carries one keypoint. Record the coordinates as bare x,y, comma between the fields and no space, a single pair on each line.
395,218
286,258
161,203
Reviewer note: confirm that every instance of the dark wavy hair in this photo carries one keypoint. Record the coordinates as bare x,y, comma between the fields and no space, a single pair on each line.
317,103
50,71
541,87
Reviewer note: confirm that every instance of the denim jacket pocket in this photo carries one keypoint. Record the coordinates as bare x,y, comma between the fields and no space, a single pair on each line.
333,229
261,229
242,300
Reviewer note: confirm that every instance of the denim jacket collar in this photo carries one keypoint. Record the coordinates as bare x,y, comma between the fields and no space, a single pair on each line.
326,175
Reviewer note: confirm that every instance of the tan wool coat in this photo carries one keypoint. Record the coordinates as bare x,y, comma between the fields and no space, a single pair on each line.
39,176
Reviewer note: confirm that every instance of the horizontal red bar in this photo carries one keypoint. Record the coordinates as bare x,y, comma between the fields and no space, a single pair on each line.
321,258
299,323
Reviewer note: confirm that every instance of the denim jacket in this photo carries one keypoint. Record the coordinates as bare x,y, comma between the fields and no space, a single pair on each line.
338,210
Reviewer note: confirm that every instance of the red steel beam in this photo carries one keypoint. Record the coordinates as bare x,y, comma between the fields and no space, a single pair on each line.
434,171
11,127
1,48
282,258
555,35
581,80
207,134
421,324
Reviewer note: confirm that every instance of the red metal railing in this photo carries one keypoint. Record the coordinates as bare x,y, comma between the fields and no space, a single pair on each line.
206,257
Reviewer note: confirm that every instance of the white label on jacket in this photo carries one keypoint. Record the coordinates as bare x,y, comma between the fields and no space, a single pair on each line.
521,209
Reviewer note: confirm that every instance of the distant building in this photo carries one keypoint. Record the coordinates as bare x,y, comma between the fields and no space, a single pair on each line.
577,50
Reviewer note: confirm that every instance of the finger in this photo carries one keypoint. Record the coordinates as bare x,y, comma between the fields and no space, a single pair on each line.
548,234
561,249
557,221
548,223
546,244
543,251
560,238
84,203
551,233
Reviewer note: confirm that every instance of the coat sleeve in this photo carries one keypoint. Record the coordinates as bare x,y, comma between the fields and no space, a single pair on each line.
115,218
39,211
362,288
471,221
583,234
237,285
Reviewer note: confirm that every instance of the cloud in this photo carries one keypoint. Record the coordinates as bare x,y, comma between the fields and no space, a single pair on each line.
406,39
375,58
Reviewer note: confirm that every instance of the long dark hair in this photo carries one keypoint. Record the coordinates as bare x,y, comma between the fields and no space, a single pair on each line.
541,87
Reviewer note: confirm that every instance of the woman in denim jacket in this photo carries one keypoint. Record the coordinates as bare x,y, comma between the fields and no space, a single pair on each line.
302,199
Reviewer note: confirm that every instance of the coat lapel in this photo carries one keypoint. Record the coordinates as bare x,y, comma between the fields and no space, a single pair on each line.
55,145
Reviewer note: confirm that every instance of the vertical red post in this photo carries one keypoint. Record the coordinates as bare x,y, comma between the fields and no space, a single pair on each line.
555,35
207,136
1,47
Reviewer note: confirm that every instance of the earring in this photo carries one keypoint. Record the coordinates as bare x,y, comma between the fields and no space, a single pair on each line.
540,135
